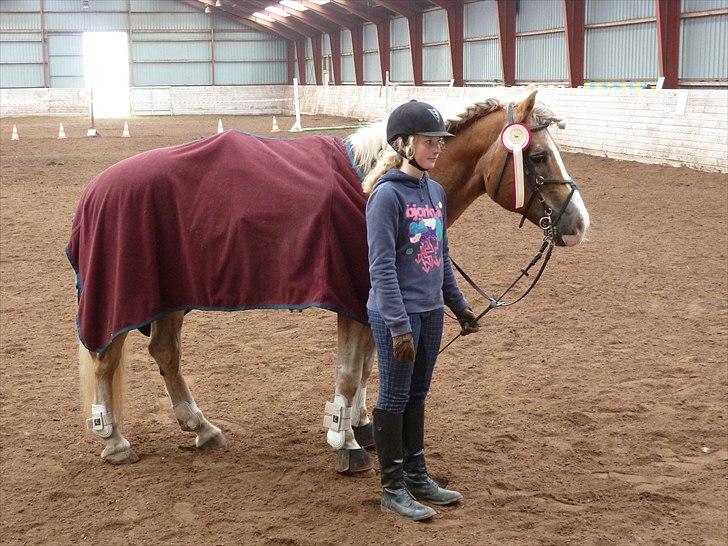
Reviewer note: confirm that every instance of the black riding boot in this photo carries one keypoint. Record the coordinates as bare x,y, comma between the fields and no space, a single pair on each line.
416,479
395,497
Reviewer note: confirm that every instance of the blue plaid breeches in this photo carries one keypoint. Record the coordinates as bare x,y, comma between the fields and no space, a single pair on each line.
403,384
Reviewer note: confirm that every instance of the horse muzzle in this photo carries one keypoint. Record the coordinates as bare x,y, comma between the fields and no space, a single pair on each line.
574,223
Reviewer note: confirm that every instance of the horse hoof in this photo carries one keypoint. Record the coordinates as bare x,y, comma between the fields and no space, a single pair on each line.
365,435
213,441
352,461
127,456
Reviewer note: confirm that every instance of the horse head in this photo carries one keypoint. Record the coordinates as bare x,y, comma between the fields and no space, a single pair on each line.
478,160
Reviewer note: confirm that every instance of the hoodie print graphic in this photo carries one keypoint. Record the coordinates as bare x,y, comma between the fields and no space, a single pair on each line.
425,235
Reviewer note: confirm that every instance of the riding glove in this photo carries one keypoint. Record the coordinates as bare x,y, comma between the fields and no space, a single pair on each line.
404,347
467,321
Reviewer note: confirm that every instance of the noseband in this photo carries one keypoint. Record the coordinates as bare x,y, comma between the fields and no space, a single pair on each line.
547,223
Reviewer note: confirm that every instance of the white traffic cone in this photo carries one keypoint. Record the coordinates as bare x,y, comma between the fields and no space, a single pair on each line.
219,126
15,135
61,132
275,128
125,132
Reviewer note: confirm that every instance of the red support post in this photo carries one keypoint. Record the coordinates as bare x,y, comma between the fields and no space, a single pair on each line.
383,41
456,31
357,41
317,59
507,39
291,46
668,41
335,41
574,18
415,32
301,56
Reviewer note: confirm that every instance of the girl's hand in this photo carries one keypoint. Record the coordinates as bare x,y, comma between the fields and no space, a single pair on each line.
404,348
467,321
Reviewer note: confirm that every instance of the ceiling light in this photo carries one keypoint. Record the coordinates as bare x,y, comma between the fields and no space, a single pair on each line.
320,2
218,4
278,11
293,5
207,9
263,16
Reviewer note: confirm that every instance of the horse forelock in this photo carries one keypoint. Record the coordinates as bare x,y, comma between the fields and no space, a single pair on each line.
368,142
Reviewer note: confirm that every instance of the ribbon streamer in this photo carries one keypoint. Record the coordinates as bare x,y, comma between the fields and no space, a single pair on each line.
516,138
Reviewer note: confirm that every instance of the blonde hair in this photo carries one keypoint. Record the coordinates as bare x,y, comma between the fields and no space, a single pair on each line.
388,159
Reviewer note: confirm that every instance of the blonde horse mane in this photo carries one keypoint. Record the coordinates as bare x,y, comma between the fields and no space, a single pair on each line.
369,143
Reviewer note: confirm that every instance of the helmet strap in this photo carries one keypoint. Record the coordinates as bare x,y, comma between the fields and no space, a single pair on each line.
412,161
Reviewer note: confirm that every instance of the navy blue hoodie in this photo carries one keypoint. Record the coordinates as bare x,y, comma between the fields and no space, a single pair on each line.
409,262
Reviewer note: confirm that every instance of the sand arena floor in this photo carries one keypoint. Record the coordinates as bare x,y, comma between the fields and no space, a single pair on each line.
593,412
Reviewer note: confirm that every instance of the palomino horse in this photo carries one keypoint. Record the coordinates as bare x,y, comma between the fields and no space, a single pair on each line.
475,162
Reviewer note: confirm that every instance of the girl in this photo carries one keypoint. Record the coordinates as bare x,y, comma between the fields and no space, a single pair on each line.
411,281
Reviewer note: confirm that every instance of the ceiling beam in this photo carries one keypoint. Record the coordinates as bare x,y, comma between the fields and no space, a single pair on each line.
360,9
326,11
315,20
240,17
405,9
289,22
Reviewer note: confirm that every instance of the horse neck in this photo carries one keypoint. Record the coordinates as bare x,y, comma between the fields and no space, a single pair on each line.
461,169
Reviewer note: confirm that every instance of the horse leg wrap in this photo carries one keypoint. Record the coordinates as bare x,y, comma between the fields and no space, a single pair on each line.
188,416
360,399
337,420
101,421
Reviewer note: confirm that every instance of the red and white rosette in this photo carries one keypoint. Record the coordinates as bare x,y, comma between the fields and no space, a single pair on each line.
516,138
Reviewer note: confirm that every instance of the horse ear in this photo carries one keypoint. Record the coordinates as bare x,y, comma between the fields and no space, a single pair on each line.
524,108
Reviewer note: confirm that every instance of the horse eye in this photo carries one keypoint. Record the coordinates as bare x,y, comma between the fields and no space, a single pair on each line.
539,157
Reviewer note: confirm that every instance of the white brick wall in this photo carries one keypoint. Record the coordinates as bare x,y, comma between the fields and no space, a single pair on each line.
30,102
636,124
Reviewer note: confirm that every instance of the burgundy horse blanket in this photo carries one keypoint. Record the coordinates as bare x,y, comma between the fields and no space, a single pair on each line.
230,222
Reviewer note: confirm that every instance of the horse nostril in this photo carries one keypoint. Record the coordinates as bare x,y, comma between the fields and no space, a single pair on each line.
580,225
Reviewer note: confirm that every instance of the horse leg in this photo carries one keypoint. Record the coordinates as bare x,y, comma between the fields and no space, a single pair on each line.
360,422
165,347
355,350
101,384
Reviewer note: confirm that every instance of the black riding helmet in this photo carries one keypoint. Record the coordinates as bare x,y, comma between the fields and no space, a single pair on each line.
414,118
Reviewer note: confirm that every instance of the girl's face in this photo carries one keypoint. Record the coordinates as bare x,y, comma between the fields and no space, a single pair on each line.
427,150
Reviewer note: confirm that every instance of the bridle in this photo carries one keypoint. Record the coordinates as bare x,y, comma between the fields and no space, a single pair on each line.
547,223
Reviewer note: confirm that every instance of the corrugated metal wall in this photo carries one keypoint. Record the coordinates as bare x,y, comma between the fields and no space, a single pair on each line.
310,73
21,53
436,61
65,60
541,51
620,45
400,60
703,42
171,43
326,54
347,57
372,67
481,50
703,5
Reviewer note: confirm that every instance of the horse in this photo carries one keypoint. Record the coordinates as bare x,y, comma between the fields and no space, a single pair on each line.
475,162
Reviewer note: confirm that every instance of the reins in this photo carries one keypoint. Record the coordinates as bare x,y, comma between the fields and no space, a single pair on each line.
547,223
